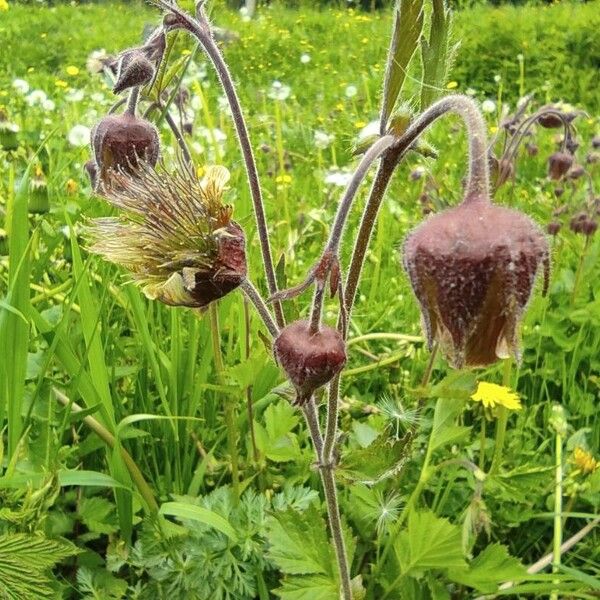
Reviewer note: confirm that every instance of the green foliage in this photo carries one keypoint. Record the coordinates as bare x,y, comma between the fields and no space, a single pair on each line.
24,564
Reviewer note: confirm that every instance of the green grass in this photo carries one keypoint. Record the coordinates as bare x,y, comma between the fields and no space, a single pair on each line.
145,374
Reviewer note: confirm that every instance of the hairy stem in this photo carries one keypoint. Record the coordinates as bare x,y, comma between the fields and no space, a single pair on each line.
200,28
185,151
261,308
326,469
132,100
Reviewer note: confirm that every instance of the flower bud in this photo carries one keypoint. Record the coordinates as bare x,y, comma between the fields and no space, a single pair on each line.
559,164
120,141
553,227
550,120
576,172
133,69
310,360
91,169
532,149
596,142
589,227
472,269
577,222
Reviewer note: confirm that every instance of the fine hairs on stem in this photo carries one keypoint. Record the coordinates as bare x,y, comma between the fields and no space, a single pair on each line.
200,29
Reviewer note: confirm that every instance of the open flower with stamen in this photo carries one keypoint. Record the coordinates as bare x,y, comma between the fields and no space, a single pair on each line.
174,235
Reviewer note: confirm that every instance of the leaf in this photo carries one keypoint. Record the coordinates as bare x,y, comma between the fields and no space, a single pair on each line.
430,542
436,53
191,512
408,25
276,440
444,430
491,567
24,560
380,460
88,478
298,542
98,515
311,587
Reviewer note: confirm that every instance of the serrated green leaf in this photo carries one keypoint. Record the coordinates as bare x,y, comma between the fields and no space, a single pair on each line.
98,515
491,567
429,542
298,542
24,561
408,25
381,459
444,430
436,53
310,587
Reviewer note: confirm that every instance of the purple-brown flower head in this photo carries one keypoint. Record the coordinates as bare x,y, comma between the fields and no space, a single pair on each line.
310,360
120,142
472,269
174,235
559,164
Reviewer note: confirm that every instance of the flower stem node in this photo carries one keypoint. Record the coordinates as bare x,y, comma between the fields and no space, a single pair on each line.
472,269
121,142
310,360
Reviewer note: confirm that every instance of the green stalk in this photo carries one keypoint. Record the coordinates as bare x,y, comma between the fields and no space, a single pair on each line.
230,418
501,424
136,475
558,524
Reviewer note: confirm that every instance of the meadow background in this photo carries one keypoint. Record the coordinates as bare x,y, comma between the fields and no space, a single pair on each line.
74,330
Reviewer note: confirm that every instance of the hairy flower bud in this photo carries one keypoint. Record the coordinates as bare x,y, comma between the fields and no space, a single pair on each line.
121,142
553,227
559,164
133,69
472,269
310,360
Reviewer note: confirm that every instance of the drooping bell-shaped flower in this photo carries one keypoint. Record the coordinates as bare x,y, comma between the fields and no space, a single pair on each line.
472,267
309,358
174,235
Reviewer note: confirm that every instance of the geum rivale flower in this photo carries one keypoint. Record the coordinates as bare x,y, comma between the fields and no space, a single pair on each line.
174,235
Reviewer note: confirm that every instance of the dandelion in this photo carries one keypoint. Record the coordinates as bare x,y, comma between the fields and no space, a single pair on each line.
79,135
584,461
338,177
174,235
322,139
36,97
96,61
71,187
3,5
452,85
48,105
492,395
360,124
21,86
61,83
488,106
369,130
279,91
74,95
284,179
305,58
351,91
72,70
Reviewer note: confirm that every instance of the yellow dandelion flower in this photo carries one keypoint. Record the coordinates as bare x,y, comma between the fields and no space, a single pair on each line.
492,395
452,85
3,5
72,70
59,83
584,461
71,186
360,124
30,69
339,106
285,179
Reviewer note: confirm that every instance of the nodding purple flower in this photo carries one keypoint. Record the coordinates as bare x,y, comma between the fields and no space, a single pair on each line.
174,235
472,269
310,359
120,143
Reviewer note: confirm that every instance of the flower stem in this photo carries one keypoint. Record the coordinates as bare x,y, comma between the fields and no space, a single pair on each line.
261,308
132,100
580,269
230,419
200,28
326,470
